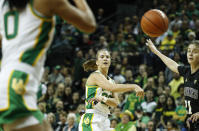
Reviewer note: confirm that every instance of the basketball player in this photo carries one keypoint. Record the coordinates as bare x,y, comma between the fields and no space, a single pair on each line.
27,28
100,93
191,80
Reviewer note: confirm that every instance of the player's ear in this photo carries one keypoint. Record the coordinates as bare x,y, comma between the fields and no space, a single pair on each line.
97,62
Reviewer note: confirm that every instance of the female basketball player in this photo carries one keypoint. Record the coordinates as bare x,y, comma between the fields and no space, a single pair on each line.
100,93
27,28
191,80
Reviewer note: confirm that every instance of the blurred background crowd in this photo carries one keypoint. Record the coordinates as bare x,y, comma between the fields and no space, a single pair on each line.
62,90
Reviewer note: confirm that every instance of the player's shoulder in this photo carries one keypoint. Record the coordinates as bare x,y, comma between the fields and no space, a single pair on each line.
48,5
184,69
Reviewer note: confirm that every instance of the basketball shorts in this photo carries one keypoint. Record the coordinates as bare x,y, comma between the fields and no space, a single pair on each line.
94,122
18,97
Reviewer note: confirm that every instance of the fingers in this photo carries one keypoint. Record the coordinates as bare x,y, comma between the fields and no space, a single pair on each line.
148,42
140,94
92,100
188,125
194,118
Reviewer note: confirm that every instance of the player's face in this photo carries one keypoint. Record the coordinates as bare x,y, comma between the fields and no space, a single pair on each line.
104,59
193,54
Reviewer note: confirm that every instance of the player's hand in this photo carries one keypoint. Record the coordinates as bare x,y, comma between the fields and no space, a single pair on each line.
194,117
139,92
151,46
187,122
94,99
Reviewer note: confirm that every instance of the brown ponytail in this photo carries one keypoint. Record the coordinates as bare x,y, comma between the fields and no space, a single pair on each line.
90,65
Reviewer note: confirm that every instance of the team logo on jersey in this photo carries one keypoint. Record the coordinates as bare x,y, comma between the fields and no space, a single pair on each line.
86,121
18,86
195,81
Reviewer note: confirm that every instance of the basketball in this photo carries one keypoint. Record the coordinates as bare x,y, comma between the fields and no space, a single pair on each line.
154,23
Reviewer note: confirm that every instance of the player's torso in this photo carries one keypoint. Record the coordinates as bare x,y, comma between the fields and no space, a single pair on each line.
191,88
26,36
93,91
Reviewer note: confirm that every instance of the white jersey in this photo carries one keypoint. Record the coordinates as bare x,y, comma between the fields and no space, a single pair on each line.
94,91
26,36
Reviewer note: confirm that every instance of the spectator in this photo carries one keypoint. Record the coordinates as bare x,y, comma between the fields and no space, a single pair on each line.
114,123
126,124
56,76
168,111
75,99
159,109
141,79
62,121
60,91
51,120
150,126
149,104
168,43
71,125
67,97
118,77
59,109
174,84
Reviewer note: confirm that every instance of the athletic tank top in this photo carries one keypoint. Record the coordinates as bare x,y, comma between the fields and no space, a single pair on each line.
94,91
26,36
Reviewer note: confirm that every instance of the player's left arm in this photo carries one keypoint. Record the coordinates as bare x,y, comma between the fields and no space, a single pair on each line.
113,102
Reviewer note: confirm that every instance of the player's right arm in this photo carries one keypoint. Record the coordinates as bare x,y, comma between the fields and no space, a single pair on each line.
171,64
80,16
99,80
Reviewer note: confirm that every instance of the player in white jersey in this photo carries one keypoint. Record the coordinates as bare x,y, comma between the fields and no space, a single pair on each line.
101,94
26,28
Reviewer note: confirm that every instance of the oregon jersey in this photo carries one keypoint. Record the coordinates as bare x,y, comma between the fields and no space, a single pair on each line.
94,91
26,36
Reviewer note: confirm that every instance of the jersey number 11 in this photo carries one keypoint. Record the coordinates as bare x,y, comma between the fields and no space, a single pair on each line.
188,106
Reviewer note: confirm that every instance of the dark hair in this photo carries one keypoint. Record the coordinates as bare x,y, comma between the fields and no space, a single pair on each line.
159,105
173,104
90,65
19,4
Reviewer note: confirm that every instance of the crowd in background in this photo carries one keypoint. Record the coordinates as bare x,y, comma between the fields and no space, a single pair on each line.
62,90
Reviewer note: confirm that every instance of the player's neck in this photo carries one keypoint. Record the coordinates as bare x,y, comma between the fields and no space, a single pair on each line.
194,68
104,72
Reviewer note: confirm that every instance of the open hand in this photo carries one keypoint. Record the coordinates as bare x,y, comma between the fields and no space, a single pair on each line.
151,46
194,117
139,92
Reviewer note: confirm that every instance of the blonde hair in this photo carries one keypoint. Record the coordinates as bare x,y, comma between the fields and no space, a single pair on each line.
90,65
71,115
195,42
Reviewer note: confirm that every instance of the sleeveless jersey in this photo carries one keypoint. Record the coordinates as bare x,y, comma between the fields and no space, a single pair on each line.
94,91
26,36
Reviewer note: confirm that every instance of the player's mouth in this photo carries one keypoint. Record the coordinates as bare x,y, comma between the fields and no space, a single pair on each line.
190,58
106,63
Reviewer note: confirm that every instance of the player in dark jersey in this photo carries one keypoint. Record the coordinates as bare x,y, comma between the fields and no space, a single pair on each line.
191,80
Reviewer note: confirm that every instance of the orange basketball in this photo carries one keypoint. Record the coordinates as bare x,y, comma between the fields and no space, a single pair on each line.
154,23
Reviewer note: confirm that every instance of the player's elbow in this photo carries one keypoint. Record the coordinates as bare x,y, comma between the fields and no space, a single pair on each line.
91,27
114,105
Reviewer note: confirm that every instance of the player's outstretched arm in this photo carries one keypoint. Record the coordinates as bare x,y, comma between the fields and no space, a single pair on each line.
101,81
80,16
172,65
